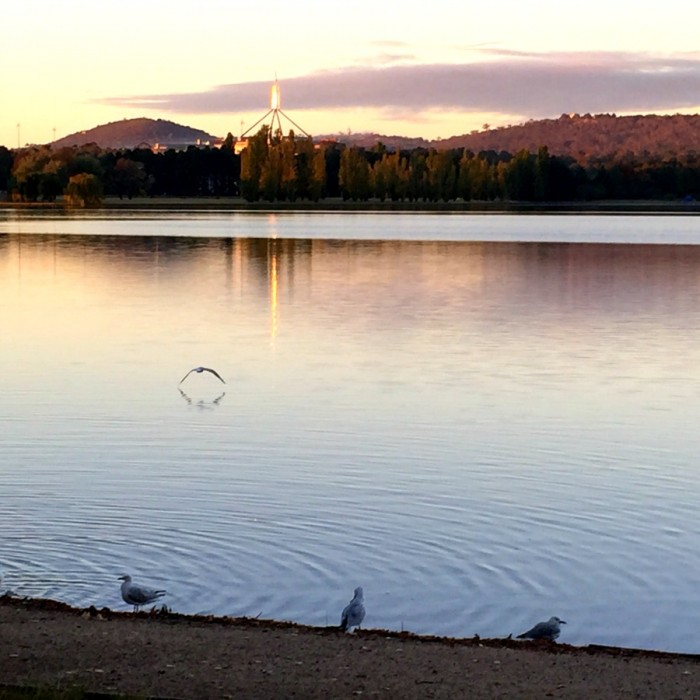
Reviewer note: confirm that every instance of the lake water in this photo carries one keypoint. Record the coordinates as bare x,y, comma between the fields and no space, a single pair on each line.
484,420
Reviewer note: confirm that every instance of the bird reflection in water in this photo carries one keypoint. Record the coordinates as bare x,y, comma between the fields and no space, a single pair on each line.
202,403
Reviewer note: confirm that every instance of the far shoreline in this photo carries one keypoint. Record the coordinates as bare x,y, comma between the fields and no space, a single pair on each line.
337,204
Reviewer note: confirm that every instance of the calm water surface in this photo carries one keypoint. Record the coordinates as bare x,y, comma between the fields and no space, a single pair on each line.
482,433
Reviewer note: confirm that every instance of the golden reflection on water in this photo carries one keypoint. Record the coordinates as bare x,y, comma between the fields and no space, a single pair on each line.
274,296
76,291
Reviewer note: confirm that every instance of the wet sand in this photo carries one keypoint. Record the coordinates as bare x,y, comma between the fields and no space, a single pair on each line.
166,655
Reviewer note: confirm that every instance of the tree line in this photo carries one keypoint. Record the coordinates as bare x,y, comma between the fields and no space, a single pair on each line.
274,168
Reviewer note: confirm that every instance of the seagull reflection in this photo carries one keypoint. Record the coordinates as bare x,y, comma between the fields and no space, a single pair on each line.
201,403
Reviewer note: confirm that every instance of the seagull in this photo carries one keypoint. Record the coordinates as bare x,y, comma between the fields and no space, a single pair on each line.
137,595
544,630
199,370
354,612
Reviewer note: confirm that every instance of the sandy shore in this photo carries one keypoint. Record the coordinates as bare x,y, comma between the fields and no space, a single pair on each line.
176,656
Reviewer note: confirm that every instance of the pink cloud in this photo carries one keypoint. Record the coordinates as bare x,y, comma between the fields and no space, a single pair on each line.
533,85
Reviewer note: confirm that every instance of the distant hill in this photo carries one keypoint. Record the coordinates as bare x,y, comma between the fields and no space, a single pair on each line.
583,137
590,136
130,133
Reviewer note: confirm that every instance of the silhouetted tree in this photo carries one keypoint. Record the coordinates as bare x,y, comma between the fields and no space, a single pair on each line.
5,167
84,190
252,163
354,174
319,182
129,178
441,175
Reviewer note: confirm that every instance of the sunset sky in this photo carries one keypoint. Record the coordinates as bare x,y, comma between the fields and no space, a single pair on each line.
433,69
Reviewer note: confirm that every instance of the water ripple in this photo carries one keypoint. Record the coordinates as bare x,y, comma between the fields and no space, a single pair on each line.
480,435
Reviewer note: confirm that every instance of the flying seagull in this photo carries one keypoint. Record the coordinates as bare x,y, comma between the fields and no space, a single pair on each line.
354,612
199,370
136,595
544,630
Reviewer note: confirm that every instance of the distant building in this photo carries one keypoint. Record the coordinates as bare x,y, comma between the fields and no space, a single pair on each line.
199,143
275,115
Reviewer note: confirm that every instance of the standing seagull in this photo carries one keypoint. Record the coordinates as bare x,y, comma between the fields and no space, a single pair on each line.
136,595
354,612
544,630
199,370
